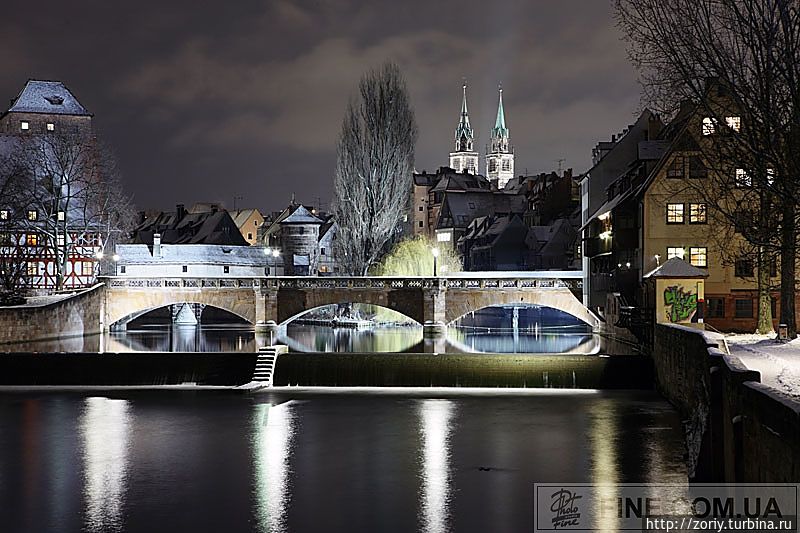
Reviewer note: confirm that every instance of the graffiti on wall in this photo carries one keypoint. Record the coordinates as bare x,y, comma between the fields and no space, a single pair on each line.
680,305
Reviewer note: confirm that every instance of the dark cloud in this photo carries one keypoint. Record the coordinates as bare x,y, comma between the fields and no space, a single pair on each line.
206,101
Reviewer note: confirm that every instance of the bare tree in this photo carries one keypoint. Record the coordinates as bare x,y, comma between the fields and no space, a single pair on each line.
375,162
739,61
69,183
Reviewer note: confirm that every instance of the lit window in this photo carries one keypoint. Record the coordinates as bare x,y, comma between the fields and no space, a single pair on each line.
32,215
32,239
61,216
674,213
60,239
697,214
443,237
4,214
743,179
24,125
734,123
87,268
698,256
675,251
33,269
709,126
51,126
770,176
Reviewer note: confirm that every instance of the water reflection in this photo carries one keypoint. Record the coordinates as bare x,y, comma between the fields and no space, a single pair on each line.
603,436
435,428
273,435
105,429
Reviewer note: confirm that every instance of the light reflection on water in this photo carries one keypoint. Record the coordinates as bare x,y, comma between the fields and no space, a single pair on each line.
273,432
435,426
104,426
342,462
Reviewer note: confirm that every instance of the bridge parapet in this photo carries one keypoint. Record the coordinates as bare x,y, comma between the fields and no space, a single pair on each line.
182,283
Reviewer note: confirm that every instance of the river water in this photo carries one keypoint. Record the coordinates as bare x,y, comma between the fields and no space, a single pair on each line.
431,461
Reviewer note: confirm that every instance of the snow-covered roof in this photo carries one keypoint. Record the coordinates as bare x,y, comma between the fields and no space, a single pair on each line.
141,254
50,97
301,215
676,267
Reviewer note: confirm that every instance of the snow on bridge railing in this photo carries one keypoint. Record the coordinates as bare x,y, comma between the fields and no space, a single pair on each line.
501,281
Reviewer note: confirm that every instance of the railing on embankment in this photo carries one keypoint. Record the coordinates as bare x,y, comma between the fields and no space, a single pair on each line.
737,430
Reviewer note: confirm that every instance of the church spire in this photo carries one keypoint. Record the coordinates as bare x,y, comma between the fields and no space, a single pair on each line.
500,129
464,135
464,158
500,154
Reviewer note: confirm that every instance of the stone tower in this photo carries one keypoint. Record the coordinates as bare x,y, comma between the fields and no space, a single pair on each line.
500,153
464,158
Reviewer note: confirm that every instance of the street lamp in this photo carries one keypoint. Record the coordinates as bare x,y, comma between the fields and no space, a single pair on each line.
435,252
271,252
115,258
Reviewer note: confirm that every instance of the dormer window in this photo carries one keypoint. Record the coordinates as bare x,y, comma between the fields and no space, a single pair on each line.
4,214
51,126
32,215
24,125
54,100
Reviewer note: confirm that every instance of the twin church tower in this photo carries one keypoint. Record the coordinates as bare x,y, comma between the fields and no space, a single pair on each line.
499,152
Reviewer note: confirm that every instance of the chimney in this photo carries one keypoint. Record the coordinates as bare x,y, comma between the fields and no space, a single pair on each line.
157,245
180,211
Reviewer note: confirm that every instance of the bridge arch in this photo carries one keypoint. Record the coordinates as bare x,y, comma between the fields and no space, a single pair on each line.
292,303
123,321
307,311
125,304
461,303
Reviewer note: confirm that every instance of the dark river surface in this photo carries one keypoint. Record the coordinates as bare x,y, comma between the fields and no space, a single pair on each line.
299,461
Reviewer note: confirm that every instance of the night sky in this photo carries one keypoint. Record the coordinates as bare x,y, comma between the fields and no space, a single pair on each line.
207,101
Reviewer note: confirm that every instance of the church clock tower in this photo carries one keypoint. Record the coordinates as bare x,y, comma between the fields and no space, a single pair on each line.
500,153
464,158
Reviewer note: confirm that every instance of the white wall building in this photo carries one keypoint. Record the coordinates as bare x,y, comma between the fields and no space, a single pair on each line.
194,260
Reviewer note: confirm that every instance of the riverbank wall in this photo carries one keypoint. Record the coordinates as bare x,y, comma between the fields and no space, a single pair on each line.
463,370
75,315
737,429
127,369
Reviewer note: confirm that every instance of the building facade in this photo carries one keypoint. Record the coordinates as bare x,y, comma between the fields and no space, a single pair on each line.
37,238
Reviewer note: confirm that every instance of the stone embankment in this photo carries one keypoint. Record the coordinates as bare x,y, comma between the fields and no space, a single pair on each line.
737,429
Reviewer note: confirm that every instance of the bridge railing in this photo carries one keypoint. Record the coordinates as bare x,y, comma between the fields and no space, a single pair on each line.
382,283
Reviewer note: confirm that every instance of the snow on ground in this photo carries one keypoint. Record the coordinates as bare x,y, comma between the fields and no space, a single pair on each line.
778,361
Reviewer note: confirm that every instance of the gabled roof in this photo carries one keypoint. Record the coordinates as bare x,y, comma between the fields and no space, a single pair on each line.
241,216
50,97
676,268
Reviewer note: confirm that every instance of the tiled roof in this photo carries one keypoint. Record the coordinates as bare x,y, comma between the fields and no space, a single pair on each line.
301,215
51,97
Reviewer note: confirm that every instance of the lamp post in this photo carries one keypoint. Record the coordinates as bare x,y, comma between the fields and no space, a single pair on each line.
274,253
435,252
115,258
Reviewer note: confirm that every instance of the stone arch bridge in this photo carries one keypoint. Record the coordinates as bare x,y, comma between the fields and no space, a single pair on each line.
281,299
